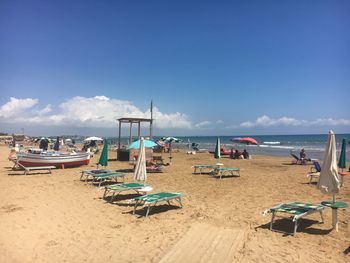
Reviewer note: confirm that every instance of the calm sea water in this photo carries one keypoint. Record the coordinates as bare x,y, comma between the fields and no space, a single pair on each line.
277,145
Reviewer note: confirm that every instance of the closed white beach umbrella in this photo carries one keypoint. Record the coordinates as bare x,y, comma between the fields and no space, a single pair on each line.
140,172
329,182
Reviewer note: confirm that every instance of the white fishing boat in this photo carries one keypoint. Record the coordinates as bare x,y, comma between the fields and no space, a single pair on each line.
58,159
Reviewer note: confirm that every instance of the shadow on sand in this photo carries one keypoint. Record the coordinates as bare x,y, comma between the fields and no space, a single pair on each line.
286,226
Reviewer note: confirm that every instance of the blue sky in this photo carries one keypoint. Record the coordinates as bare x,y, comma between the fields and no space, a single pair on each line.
211,67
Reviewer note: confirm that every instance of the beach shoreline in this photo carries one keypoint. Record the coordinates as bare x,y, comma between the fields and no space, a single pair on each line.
55,218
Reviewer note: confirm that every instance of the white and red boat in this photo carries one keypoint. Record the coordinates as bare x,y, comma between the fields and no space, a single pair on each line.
58,159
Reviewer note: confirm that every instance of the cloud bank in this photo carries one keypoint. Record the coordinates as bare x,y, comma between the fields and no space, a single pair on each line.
266,121
103,112
98,111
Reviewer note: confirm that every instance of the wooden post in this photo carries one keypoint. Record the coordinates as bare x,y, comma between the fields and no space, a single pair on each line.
139,130
119,135
130,136
151,122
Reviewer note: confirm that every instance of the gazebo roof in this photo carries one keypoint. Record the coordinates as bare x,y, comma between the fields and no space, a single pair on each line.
134,120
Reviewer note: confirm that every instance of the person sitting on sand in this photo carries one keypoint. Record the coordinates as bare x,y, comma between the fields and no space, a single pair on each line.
245,154
231,153
236,155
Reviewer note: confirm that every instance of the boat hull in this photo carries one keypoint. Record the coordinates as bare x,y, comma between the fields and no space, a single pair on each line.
57,160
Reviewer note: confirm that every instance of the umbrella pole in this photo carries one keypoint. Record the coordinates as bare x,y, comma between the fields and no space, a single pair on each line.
170,149
334,216
335,219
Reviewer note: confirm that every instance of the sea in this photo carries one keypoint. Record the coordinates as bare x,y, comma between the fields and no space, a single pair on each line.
275,145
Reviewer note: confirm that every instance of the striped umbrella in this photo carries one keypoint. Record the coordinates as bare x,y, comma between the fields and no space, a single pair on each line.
170,140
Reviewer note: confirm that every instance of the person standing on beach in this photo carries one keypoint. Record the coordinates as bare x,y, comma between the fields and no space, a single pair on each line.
303,157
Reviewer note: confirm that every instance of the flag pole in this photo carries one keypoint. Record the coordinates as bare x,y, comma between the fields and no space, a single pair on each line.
151,123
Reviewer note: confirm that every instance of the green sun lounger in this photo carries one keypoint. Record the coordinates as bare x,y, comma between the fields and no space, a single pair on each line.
104,175
152,199
226,170
90,173
295,211
202,168
116,189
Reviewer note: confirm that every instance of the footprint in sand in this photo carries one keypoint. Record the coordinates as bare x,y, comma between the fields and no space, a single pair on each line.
10,208
51,243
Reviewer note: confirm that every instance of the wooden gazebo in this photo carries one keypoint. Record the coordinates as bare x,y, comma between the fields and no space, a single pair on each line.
123,153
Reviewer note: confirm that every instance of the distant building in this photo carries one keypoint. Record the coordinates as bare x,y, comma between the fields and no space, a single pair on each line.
19,137
6,139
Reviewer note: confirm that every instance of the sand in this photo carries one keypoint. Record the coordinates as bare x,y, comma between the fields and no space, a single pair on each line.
58,218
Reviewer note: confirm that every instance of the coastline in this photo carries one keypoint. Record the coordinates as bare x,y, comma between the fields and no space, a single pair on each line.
59,218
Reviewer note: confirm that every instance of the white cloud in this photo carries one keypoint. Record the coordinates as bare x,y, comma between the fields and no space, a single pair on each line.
202,124
331,122
98,111
219,121
172,120
266,121
16,107
45,110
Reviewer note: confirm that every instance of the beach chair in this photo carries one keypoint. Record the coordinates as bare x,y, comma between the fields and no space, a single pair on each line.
152,199
86,174
297,160
101,176
116,189
294,211
158,160
204,167
222,171
154,169
18,165
315,172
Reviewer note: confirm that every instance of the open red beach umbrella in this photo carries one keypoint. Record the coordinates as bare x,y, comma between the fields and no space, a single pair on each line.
249,140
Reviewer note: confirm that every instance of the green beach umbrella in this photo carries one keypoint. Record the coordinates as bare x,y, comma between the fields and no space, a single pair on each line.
217,153
342,158
104,154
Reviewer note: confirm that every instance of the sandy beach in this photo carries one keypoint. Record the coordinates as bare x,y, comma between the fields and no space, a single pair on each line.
58,218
